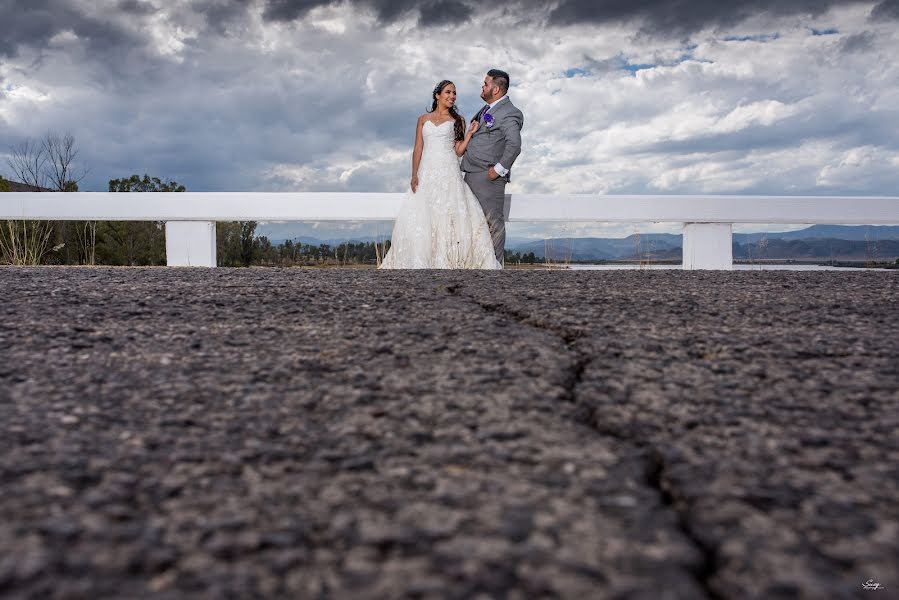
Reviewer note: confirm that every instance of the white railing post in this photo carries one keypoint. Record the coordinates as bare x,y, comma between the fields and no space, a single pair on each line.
708,246
190,243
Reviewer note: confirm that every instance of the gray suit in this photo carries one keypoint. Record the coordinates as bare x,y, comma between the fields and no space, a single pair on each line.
501,144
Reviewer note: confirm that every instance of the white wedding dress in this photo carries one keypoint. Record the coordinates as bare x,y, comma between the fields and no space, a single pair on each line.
442,225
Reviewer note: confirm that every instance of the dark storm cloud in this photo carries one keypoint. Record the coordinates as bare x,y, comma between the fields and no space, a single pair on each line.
857,42
137,7
35,22
664,17
430,12
886,10
682,16
221,14
289,10
442,13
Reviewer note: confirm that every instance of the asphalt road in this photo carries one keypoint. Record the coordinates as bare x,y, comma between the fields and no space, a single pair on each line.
331,434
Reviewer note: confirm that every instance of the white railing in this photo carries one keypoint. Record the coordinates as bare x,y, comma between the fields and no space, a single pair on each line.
190,216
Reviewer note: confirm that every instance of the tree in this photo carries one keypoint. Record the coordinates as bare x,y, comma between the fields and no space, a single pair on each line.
136,242
236,243
147,184
50,163
28,163
247,233
63,173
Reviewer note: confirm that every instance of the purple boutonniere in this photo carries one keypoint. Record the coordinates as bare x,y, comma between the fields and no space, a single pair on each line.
488,119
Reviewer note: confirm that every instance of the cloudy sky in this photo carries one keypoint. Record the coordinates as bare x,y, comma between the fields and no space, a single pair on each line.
657,96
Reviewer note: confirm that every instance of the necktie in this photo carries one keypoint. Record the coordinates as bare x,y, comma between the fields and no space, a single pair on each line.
481,112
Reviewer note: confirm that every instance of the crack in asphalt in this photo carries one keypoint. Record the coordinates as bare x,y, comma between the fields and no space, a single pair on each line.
655,462
570,338
657,480
164,433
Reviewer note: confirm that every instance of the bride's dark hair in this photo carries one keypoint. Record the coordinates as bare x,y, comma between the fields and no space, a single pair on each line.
459,128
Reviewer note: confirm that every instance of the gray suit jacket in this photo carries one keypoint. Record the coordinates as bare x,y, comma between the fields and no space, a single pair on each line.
498,144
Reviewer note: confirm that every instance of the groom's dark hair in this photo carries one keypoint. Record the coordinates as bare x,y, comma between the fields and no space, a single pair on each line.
500,79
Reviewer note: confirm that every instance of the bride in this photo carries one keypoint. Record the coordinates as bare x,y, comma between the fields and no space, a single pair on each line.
441,224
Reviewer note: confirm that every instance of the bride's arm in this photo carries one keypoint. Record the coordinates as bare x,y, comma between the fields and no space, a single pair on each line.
416,153
462,145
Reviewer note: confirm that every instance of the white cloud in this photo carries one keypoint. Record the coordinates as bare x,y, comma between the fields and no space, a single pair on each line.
329,102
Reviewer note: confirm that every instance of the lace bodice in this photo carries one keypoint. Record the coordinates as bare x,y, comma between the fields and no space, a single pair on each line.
439,143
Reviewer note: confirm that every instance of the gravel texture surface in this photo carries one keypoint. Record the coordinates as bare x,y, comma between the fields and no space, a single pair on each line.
331,434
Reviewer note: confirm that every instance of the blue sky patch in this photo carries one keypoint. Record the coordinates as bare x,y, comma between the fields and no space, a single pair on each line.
758,37
830,31
577,72
633,68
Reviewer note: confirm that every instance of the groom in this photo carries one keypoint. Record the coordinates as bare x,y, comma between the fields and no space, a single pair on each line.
492,150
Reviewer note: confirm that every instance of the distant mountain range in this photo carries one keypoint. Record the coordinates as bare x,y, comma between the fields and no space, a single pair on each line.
840,232
819,249
818,242
333,233
599,248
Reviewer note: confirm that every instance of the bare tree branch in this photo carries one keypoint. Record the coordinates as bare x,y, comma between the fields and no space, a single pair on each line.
61,154
28,163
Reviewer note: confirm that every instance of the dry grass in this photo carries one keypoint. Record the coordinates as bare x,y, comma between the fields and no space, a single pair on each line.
25,242
555,259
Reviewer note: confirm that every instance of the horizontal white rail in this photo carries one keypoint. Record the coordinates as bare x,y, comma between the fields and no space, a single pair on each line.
190,216
351,206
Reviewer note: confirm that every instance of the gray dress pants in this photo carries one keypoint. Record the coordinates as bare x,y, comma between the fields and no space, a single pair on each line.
491,194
